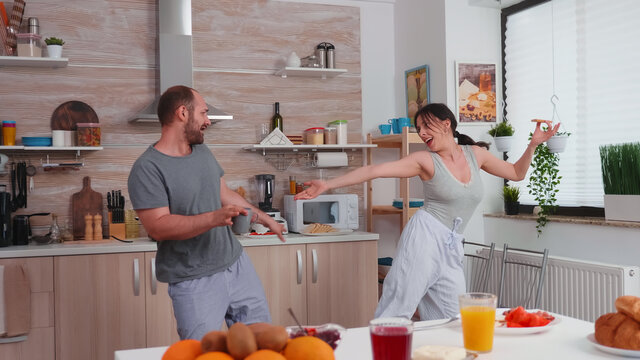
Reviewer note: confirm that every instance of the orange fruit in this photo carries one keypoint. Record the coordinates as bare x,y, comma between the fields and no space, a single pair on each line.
187,349
265,355
308,348
214,355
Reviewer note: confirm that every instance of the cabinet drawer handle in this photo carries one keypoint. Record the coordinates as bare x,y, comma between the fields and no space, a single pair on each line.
136,277
314,260
299,256
154,280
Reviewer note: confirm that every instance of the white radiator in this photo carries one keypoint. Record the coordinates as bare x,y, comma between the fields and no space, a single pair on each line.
576,288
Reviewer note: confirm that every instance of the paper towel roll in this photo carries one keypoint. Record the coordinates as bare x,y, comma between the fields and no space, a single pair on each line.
331,159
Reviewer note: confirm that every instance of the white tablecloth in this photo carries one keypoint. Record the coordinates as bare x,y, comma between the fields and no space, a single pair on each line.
565,341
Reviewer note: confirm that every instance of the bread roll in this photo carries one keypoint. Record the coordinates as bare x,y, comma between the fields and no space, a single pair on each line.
606,327
629,305
439,352
628,335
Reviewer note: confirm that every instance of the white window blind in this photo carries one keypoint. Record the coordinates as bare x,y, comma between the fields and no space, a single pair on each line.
586,53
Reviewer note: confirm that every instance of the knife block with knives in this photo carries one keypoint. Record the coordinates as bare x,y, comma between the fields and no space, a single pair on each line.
115,204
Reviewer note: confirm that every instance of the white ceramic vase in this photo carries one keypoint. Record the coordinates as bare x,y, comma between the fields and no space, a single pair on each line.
55,51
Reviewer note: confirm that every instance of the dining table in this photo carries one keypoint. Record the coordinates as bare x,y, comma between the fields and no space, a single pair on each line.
565,338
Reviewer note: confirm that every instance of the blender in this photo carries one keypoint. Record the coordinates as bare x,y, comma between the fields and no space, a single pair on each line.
265,190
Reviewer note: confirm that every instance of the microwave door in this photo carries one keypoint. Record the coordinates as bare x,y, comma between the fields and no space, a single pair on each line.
324,212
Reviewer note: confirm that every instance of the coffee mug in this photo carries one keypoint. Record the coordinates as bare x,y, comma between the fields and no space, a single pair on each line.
394,125
242,223
403,122
385,129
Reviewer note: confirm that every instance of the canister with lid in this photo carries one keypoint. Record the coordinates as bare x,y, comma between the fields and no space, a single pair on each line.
88,134
8,133
330,135
321,54
314,136
341,127
331,56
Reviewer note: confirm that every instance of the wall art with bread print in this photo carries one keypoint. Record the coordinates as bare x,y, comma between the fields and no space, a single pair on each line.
417,89
476,92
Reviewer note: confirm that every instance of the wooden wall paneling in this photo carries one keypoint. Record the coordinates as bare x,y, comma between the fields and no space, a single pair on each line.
100,32
259,34
304,103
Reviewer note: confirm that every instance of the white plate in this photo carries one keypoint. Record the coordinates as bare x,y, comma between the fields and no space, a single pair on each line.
611,350
339,232
502,329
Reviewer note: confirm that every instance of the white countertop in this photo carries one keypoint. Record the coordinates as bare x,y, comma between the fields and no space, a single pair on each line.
145,244
566,340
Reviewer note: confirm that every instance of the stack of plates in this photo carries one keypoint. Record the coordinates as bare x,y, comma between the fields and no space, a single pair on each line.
36,141
413,202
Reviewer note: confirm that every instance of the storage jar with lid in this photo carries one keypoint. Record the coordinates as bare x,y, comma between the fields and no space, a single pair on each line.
330,135
29,45
314,136
88,134
8,133
341,126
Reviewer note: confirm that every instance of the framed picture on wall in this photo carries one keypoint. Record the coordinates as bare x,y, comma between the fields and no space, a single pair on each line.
476,92
416,89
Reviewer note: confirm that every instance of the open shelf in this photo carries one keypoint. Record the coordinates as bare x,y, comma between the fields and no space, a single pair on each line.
296,148
390,210
27,61
309,72
50,148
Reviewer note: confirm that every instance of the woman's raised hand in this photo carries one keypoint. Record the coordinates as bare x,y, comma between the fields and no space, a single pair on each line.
316,187
539,136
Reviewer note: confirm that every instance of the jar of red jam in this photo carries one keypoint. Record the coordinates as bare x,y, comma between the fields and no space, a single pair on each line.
88,134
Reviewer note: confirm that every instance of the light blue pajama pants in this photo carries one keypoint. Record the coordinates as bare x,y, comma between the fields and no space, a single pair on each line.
427,271
235,295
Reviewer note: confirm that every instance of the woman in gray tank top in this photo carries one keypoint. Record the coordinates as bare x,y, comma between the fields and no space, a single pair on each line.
427,269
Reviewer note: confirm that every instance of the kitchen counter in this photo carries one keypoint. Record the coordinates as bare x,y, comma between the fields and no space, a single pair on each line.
145,244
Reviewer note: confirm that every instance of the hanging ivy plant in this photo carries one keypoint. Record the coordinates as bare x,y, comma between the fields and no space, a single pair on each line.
543,183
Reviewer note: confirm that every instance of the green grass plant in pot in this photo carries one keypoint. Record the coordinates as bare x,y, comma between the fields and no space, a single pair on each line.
54,46
620,165
502,134
543,183
511,195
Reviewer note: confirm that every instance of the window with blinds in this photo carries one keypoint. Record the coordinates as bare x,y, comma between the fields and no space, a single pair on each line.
586,53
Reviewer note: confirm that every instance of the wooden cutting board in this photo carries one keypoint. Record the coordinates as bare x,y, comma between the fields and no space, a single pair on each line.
84,202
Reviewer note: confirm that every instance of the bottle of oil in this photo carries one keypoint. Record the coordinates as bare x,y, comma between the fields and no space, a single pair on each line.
276,120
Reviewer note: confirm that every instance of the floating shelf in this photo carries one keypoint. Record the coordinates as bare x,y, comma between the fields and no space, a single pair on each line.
309,72
27,61
49,148
297,148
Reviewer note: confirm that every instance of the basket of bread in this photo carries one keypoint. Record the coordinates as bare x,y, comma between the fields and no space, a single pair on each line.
620,329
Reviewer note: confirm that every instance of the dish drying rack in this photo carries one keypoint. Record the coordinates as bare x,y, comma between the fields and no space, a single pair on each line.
75,164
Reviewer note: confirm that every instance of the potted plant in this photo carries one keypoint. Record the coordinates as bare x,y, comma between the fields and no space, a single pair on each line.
558,141
511,195
54,46
503,135
621,179
543,183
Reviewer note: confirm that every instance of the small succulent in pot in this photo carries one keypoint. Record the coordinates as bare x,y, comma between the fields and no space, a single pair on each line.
54,41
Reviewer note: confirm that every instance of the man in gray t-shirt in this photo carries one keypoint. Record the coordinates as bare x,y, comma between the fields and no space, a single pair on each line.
182,200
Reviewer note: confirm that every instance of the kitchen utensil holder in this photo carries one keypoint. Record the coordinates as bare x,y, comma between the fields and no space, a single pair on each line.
116,229
75,164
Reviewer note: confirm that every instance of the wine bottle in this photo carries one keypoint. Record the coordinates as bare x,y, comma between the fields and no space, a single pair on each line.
276,120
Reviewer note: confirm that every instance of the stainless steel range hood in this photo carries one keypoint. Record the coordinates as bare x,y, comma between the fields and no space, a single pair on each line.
175,56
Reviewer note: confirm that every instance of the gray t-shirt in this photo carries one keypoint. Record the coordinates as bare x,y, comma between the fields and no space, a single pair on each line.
188,185
446,198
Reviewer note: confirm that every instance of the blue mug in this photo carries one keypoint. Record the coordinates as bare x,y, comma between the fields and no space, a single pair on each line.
385,129
394,126
403,122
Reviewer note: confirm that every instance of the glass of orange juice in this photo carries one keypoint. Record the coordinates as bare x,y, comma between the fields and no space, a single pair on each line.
478,314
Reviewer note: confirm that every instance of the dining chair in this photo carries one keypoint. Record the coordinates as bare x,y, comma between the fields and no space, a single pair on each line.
479,258
524,273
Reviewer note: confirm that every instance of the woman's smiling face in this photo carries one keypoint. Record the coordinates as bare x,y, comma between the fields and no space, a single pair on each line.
433,131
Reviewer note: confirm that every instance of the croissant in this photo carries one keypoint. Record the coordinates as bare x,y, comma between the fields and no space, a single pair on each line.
618,330
629,305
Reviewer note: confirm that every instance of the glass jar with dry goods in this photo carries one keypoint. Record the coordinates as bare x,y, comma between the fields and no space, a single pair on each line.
330,135
29,45
314,136
88,134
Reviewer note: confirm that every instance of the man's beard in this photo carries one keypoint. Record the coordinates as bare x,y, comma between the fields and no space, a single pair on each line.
192,132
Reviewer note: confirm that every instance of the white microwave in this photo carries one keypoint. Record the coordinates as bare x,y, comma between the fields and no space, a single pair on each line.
337,210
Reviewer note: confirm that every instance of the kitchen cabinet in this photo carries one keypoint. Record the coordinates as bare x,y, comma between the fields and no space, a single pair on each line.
331,282
107,302
400,142
39,343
